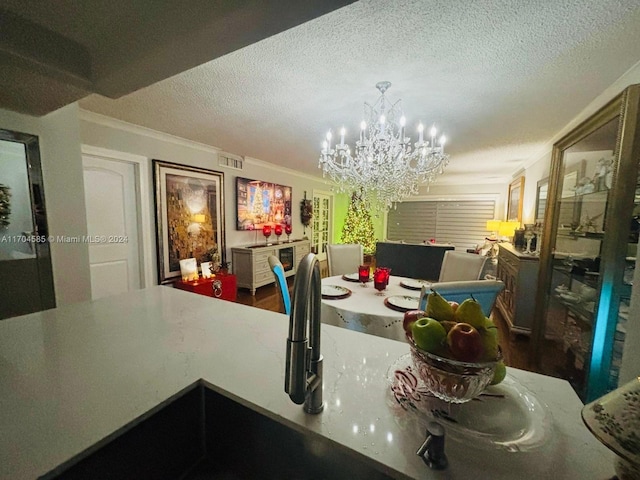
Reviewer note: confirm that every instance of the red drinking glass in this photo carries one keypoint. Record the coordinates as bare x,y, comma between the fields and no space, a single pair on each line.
266,231
278,231
288,230
363,274
381,279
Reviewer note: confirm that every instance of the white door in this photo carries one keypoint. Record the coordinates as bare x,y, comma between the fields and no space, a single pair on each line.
112,224
321,223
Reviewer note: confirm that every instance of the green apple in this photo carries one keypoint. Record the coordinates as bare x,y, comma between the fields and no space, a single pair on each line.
428,334
499,374
464,342
410,317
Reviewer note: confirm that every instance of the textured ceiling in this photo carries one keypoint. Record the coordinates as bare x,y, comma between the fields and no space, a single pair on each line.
117,47
501,77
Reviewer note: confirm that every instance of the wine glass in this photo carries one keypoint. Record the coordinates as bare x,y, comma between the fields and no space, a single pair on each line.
363,274
381,279
288,230
278,231
266,231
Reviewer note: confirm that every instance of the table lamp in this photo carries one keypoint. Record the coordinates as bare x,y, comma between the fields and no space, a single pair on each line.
614,419
508,229
493,226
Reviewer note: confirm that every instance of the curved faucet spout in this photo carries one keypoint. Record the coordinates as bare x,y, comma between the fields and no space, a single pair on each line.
303,378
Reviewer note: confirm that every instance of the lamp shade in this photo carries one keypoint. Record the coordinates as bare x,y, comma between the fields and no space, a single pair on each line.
613,419
507,229
493,225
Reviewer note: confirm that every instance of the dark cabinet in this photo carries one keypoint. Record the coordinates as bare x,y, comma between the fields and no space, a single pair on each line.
519,272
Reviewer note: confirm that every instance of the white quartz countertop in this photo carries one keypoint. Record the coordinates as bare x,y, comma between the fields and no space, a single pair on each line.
71,376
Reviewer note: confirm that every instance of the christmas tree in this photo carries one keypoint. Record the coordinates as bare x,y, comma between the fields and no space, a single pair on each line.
358,226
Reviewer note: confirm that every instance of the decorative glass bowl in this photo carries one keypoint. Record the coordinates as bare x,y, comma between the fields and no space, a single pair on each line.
451,380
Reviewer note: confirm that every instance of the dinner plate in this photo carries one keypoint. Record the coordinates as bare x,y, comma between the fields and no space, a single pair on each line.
335,292
412,284
507,416
352,277
402,303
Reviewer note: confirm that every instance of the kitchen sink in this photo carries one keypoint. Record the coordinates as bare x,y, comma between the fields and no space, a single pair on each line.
201,434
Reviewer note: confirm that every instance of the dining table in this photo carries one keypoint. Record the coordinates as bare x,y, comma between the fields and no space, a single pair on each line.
349,304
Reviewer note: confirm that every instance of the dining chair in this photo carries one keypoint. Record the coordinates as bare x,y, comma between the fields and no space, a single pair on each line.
344,258
460,266
484,291
281,282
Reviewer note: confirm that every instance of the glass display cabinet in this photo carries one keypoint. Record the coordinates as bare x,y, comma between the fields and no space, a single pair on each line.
589,249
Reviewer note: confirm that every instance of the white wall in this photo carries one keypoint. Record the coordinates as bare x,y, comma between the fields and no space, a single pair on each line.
631,356
59,140
104,132
533,174
538,168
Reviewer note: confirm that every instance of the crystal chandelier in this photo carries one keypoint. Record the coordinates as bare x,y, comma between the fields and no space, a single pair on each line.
385,165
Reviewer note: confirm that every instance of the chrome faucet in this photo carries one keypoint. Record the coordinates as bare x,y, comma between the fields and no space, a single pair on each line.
303,378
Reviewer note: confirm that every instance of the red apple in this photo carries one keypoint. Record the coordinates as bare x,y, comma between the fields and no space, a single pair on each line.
454,305
410,317
465,342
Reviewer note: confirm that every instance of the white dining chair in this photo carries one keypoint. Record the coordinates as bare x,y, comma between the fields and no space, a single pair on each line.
485,292
460,266
344,258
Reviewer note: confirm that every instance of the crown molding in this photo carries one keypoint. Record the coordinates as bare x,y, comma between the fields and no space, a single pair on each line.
111,122
290,171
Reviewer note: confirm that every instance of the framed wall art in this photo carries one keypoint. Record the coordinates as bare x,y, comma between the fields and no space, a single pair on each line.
189,216
261,203
514,200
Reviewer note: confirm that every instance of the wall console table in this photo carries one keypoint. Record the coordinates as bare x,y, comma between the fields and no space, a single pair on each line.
251,266
516,303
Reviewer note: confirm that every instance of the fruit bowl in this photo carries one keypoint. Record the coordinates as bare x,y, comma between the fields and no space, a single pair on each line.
452,380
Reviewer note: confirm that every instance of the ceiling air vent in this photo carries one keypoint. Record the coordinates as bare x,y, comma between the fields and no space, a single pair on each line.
230,161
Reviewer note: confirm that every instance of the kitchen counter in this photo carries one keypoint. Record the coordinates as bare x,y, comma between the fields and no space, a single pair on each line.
71,376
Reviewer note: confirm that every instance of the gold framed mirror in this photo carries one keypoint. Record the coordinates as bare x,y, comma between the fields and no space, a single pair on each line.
542,191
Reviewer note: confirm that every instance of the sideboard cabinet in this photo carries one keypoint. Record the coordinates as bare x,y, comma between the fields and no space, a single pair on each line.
251,266
519,272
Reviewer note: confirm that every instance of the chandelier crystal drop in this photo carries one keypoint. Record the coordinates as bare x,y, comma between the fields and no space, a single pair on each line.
385,165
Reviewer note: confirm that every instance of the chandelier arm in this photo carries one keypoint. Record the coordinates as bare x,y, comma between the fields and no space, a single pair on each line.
386,166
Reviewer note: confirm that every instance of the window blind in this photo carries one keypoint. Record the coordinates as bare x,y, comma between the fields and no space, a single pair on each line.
461,223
